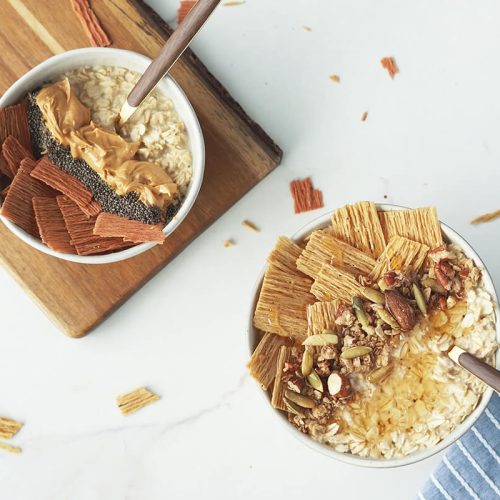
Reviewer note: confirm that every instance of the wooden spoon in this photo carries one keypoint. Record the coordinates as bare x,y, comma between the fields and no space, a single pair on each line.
171,51
477,367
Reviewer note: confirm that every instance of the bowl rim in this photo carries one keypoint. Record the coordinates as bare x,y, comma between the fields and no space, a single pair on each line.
454,237
196,140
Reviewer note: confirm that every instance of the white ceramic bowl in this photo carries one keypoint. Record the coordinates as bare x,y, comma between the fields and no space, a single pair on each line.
453,237
53,68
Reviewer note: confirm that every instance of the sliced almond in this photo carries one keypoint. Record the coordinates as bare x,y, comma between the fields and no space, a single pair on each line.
339,385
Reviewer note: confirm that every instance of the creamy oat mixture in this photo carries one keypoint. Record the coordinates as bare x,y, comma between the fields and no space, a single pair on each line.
155,124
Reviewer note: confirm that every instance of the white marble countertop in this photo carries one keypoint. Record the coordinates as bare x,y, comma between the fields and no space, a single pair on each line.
431,137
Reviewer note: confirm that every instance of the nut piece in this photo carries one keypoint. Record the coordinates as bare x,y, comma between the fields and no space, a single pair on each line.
433,285
314,381
356,352
402,310
321,339
307,363
299,399
360,312
419,297
339,385
374,295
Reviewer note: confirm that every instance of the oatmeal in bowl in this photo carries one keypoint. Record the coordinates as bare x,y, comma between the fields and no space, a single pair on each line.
78,186
351,327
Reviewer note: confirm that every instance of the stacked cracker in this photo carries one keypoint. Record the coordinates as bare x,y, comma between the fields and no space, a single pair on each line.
54,206
304,286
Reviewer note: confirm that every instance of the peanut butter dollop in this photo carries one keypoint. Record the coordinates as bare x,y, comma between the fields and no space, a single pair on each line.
104,151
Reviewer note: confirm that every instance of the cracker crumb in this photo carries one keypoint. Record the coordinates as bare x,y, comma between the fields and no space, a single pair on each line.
486,217
390,65
9,427
305,197
335,78
135,400
228,243
251,226
364,116
10,448
232,4
307,28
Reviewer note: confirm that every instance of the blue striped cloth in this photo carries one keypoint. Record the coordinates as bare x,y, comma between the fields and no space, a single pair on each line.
471,467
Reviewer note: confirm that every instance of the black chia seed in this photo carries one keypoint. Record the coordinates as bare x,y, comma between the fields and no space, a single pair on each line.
128,205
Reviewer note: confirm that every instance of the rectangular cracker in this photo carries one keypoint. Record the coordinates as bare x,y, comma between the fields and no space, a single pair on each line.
321,316
279,387
135,400
305,197
262,364
359,226
14,153
114,226
10,448
401,254
323,248
419,224
335,284
9,427
50,174
51,225
284,255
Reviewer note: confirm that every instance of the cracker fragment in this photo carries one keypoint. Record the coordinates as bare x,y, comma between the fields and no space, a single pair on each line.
323,248
81,231
228,243
51,225
321,316
262,364
184,8
10,448
14,152
284,255
97,36
359,226
50,174
335,78
251,226
486,217
232,4
333,283
111,225
305,197
9,427
401,254
135,400
419,224
389,64
18,206
279,387
364,116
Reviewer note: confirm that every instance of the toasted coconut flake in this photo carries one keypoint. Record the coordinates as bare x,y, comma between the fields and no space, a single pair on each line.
389,64
81,230
321,316
401,254
18,206
251,226
14,121
486,217
419,224
111,225
9,427
359,226
53,176
184,8
14,153
305,197
133,401
97,36
323,248
51,225
10,448
284,255
335,284
279,387
262,364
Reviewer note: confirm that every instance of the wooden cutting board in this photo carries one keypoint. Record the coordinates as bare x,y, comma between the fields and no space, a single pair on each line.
238,155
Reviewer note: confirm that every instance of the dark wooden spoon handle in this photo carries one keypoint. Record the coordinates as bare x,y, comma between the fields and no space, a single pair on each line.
172,50
477,367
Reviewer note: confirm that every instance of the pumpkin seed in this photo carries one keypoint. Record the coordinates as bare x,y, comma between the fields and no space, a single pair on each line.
433,285
307,363
356,352
293,408
360,312
386,317
379,374
419,297
382,284
321,339
374,295
299,399
314,381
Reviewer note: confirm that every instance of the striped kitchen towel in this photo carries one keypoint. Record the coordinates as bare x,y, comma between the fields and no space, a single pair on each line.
471,468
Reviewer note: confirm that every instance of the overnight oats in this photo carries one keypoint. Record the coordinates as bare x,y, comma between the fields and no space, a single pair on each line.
75,179
356,323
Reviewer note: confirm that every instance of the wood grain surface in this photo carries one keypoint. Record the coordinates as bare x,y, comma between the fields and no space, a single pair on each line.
238,155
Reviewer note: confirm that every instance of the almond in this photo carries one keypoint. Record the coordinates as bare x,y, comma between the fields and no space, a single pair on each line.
339,385
401,308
